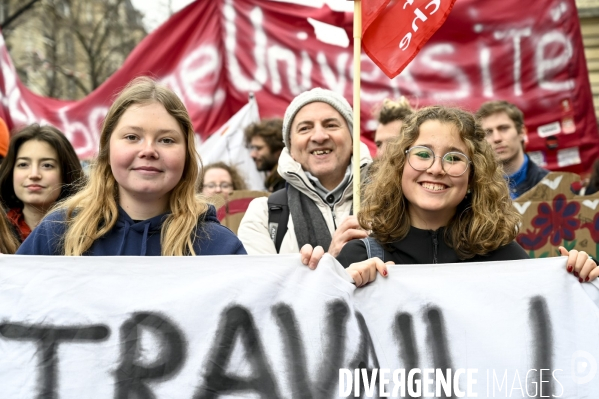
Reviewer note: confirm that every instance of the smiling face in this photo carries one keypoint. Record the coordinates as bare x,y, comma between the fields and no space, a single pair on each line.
36,175
147,155
320,141
432,195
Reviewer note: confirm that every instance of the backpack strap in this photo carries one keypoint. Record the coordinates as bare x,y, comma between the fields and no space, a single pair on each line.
278,216
373,248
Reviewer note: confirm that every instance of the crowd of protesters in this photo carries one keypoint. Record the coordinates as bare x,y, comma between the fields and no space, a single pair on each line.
440,190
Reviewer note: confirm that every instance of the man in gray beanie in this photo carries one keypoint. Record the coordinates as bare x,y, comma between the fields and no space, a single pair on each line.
316,205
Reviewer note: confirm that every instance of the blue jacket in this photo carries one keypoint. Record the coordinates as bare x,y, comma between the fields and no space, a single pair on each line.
129,237
534,175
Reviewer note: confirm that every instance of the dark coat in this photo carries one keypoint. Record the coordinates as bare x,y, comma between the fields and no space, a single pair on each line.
131,237
425,247
533,176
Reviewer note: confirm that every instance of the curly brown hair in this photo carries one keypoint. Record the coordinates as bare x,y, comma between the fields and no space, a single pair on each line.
236,179
271,131
484,220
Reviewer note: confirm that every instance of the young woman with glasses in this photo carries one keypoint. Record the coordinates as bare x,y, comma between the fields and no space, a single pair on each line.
438,196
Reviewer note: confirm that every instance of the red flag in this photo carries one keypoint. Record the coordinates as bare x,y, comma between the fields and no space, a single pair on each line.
370,10
394,31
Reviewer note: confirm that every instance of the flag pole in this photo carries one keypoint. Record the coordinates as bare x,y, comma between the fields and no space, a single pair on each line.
356,132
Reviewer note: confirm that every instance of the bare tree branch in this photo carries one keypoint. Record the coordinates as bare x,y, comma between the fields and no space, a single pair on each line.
17,14
82,43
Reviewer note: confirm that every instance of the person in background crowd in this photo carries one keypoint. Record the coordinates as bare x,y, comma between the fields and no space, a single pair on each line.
4,139
390,117
503,124
593,186
265,141
438,197
220,178
316,163
141,196
40,169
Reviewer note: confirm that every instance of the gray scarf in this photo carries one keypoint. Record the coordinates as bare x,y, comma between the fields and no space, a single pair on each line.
308,222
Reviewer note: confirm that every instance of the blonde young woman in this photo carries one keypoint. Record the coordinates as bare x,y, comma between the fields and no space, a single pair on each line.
437,196
141,195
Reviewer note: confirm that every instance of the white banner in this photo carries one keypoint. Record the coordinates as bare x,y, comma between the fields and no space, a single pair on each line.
227,145
268,327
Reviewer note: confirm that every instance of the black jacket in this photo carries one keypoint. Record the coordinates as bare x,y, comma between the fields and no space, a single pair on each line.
274,181
425,247
533,176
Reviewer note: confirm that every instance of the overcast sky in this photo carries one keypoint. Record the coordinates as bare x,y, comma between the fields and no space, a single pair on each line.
157,11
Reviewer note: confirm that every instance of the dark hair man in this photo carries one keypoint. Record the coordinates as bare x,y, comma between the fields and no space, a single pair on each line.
503,124
265,141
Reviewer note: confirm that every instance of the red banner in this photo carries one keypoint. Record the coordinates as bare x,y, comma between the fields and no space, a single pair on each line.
393,32
214,53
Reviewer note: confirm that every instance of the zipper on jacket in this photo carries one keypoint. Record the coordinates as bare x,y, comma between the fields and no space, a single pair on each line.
334,217
435,247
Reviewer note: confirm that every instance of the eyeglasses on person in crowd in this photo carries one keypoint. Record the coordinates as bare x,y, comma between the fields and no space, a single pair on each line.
454,163
223,186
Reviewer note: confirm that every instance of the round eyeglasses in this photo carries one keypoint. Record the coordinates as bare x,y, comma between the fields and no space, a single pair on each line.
454,163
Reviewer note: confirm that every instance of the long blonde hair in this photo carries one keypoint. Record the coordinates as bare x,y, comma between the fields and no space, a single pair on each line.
93,211
483,221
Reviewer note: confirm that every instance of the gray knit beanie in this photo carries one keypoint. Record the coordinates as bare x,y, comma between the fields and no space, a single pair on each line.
317,94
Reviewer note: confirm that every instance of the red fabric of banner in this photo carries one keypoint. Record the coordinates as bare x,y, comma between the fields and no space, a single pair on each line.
394,31
214,53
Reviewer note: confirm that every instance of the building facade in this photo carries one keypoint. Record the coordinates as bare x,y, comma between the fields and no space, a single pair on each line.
67,48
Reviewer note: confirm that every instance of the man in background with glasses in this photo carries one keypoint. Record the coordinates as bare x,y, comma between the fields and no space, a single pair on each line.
503,124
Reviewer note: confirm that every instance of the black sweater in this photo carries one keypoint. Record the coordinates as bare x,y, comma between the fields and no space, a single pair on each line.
425,247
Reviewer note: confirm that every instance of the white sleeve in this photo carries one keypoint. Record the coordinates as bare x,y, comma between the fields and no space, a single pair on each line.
253,230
